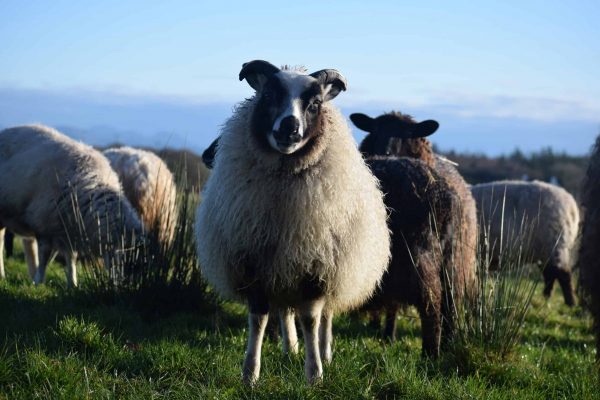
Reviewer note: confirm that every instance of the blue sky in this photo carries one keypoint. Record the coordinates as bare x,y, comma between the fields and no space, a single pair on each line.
505,70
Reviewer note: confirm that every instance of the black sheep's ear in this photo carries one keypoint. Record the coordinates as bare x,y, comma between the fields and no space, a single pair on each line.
257,72
363,121
332,81
425,128
208,157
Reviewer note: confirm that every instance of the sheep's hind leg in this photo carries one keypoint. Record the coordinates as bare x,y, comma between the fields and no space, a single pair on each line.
289,335
391,313
9,238
30,248
71,268
374,320
310,318
326,337
257,321
549,272
564,279
431,329
45,255
2,273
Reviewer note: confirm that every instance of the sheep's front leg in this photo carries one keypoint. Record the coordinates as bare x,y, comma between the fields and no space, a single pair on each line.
71,268
326,337
310,318
289,335
257,321
45,255
2,273
30,248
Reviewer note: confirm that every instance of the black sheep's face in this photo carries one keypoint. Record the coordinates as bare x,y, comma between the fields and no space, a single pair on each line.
288,110
383,129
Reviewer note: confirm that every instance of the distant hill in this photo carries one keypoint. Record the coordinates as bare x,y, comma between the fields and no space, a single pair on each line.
103,118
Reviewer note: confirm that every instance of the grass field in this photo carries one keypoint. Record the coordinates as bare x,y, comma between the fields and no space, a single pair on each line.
68,344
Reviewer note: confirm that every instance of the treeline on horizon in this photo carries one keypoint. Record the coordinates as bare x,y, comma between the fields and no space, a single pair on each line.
545,165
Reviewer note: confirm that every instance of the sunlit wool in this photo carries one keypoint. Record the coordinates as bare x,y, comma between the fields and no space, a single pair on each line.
149,187
321,215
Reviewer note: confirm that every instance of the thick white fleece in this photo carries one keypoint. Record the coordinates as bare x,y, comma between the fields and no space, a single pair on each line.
324,217
550,211
149,187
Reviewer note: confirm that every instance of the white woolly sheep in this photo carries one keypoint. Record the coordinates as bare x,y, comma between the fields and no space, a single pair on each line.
150,188
45,179
552,216
291,216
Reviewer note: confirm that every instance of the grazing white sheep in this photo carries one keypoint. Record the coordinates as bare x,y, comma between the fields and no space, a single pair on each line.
65,195
549,211
149,187
291,216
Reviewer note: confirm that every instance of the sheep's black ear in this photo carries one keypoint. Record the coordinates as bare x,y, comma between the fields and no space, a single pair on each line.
426,128
208,157
363,121
257,72
332,81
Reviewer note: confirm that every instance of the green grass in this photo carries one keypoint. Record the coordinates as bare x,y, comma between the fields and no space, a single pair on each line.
67,344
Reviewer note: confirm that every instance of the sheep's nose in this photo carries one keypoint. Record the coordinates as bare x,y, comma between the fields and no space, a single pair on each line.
288,130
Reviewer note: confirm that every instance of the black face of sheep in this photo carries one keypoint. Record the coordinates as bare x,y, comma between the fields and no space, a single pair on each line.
388,126
288,112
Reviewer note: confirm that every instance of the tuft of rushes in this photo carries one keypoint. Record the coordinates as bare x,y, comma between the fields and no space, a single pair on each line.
152,275
490,318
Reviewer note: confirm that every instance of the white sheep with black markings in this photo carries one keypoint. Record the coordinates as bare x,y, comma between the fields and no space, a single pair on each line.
551,216
291,216
65,195
150,188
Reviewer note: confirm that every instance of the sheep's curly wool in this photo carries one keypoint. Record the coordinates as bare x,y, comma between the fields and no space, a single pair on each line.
588,262
149,187
319,215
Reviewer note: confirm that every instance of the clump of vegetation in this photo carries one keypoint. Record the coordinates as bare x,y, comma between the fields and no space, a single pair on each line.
490,319
152,275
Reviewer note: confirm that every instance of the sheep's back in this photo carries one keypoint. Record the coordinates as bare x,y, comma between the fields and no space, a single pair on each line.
547,215
149,186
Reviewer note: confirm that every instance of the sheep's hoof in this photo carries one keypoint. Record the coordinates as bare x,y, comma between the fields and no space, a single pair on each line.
314,376
249,378
327,356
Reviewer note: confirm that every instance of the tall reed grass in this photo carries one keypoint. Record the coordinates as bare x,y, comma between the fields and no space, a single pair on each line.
150,273
491,317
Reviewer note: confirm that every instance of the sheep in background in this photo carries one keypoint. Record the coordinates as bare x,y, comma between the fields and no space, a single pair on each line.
150,188
551,216
57,191
588,262
433,223
291,218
